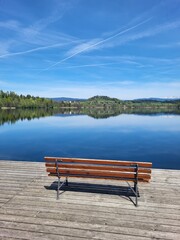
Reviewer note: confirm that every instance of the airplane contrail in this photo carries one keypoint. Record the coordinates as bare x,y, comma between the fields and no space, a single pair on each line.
30,50
91,65
96,44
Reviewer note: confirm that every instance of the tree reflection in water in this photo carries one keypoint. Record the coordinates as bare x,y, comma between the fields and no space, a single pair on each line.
10,116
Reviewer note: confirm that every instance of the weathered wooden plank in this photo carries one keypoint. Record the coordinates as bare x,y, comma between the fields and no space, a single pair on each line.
129,209
80,187
89,194
87,233
124,229
99,161
96,201
89,209
19,212
97,173
94,218
74,215
23,234
98,167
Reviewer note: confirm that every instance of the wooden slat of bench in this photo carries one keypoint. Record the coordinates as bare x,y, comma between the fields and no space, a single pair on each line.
98,173
99,167
98,161
100,177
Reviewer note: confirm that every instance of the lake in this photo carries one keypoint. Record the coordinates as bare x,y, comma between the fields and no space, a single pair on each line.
31,135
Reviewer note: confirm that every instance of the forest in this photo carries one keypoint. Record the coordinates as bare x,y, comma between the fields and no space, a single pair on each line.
107,102
13,100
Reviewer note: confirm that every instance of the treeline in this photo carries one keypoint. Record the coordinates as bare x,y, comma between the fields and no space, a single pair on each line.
13,100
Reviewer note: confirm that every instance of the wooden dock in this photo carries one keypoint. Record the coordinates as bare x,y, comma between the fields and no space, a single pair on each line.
88,209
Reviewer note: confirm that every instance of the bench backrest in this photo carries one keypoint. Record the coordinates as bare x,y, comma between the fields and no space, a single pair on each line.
95,168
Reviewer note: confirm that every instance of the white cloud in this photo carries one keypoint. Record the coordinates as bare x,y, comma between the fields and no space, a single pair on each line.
4,47
152,31
107,42
155,30
124,89
90,65
84,47
173,84
6,54
4,84
166,45
36,36
10,24
39,41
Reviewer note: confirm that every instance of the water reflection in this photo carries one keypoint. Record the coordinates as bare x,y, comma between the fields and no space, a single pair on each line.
13,115
139,135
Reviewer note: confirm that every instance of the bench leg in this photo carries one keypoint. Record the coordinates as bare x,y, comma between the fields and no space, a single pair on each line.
58,187
61,185
66,181
136,193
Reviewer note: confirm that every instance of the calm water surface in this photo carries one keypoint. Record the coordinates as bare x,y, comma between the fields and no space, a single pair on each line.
153,138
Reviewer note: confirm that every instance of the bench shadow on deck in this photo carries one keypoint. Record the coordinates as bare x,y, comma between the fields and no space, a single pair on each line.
122,191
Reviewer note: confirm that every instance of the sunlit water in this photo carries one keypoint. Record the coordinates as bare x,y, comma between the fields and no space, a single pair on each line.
154,138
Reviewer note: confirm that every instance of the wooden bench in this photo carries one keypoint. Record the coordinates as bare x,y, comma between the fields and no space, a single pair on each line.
101,169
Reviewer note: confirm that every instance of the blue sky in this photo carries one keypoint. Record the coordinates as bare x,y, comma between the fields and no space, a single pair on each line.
81,48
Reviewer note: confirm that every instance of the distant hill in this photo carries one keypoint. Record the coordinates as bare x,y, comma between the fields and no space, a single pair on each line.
109,99
158,99
103,98
67,99
116,100
102,101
